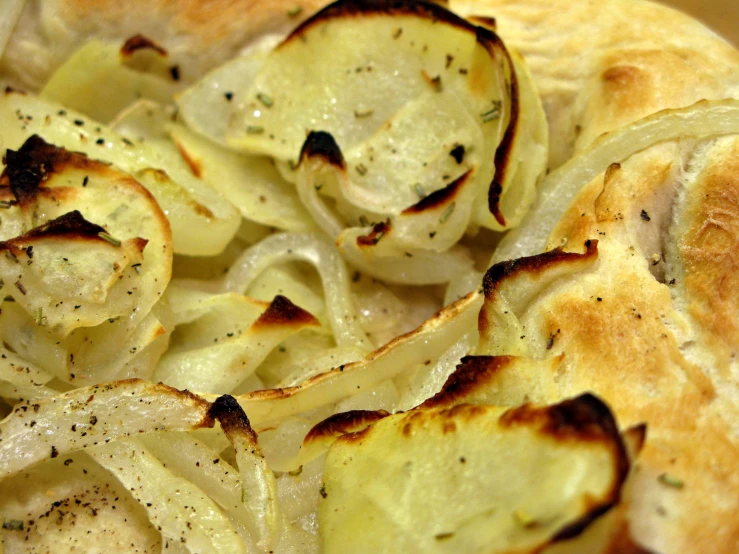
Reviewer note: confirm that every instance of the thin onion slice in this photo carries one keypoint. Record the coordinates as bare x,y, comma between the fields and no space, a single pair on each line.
259,487
179,509
85,417
428,342
313,249
559,189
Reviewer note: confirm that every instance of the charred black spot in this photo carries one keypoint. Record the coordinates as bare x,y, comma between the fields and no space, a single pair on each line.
322,144
140,42
174,72
231,416
283,312
438,197
29,167
345,422
458,153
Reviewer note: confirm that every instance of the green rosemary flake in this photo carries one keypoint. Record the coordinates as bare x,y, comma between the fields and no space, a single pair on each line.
13,524
363,113
266,100
254,130
363,221
671,481
493,113
361,169
109,238
295,11
447,213
419,190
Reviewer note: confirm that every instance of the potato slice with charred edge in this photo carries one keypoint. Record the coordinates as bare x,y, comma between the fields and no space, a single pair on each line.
528,477
68,276
221,348
402,249
100,79
85,417
71,276
203,222
372,95
42,182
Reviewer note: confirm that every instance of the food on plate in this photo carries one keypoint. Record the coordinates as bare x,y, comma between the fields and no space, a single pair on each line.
374,276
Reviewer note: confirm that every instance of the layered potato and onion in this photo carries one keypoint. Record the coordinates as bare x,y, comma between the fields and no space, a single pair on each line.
409,277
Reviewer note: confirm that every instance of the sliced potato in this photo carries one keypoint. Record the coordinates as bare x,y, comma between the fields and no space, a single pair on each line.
251,183
96,81
206,106
203,222
374,96
525,477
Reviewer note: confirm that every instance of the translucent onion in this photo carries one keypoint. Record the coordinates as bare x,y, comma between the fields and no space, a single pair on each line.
85,417
180,510
285,247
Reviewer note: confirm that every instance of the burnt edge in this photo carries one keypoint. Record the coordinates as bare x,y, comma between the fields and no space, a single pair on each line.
27,168
585,417
283,312
350,8
502,157
537,263
344,423
378,231
439,197
471,373
140,42
232,417
69,225
484,21
322,145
